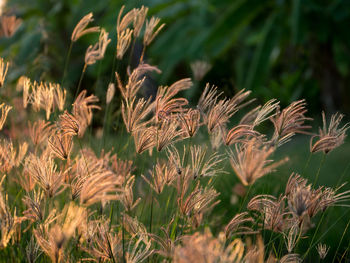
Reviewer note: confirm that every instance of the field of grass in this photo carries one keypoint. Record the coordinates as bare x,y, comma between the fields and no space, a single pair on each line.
164,179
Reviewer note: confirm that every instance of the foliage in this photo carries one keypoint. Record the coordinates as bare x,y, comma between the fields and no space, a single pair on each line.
162,178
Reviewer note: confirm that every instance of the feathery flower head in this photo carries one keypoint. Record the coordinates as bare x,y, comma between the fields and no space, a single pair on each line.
276,217
331,137
82,110
135,80
199,69
9,25
68,124
44,171
242,133
133,113
4,112
220,111
39,131
201,167
139,19
124,40
207,248
189,122
110,93
289,121
250,161
237,225
144,139
151,32
100,187
97,51
322,250
3,71
80,28
166,105
61,144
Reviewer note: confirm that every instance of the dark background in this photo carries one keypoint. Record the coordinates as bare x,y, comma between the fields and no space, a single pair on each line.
276,48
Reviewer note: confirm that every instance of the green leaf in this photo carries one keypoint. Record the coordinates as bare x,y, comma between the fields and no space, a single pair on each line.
295,21
232,22
259,66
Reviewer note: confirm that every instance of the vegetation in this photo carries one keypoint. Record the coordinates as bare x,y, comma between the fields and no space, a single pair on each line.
157,176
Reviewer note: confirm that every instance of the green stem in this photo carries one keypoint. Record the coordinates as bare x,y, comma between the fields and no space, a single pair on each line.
343,174
111,250
318,226
132,51
123,239
319,169
346,228
66,63
245,198
80,80
151,216
307,162
103,140
337,185
167,204
324,233
111,216
111,80
17,196
173,234
142,54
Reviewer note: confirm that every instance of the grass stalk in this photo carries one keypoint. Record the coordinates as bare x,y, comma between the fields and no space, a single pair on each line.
341,239
66,63
319,169
80,81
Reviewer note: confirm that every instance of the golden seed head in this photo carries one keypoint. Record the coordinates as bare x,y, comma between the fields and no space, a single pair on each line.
97,51
80,28
110,93
3,114
151,32
3,71
9,25
200,69
330,137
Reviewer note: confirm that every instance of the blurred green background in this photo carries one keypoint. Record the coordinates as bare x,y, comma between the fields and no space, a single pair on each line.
277,48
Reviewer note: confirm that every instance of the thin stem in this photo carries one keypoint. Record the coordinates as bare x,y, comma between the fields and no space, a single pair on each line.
111,80
110,249
245,198
17,196
142,54
307,162
319,168
346,228
345,252
318,226
82,153
66,63
111,216
343,174
323,234
80,80
167,204
173,230
123,239
114,59
132,51
337,185
103,140
151,216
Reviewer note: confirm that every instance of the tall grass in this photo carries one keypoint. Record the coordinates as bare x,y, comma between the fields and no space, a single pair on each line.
185,183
